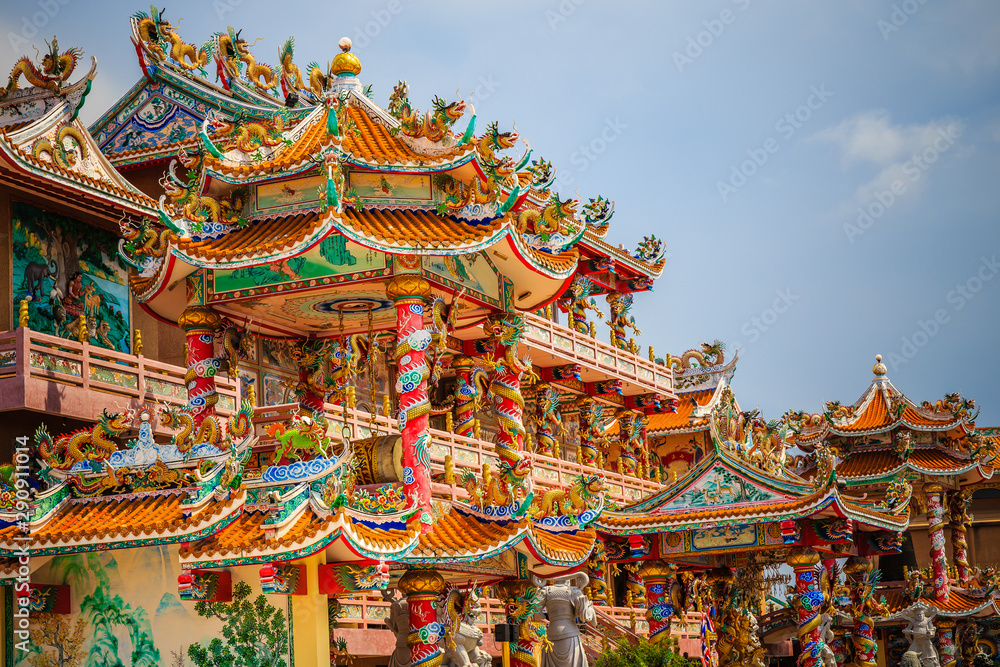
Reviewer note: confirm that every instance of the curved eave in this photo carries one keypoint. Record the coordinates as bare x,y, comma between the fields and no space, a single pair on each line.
888,475
114,537
334,532
597,244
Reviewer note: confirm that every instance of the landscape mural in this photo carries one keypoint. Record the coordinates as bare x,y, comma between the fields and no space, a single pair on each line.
127,613
66,269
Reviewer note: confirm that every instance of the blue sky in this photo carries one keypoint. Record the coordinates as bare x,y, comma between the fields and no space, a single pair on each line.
824,174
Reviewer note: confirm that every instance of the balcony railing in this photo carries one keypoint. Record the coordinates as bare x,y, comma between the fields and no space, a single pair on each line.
591,353
466,454
78,380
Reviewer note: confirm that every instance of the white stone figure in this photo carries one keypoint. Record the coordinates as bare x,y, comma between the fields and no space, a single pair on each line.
468,638
920,631
399,623
566,605
826,654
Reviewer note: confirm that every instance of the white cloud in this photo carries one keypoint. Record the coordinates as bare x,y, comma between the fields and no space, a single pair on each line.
898,151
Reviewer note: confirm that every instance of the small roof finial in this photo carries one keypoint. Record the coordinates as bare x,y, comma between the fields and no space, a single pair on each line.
345,63
879,368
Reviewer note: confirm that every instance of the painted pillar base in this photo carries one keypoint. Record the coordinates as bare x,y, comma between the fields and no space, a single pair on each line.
808,600
657,577
422,588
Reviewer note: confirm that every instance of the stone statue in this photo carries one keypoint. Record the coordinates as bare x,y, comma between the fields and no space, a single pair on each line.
910,659
920,631
826,654
463,639
399,624
566,605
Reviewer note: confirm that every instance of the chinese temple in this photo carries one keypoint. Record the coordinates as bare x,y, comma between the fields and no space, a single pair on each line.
289,377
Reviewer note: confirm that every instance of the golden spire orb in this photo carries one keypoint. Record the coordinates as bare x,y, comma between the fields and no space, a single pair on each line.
879,368
345,63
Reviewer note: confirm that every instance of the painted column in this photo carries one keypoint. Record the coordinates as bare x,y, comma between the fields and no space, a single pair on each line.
657,577
200,324
807,604
935,527
946,640
464,395
422,588
960,521
858,570
505,386
408,292
839,646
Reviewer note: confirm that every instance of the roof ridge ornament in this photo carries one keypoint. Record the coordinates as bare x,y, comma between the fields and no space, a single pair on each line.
879,368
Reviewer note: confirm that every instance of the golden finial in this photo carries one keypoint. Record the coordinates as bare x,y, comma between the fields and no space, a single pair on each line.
449,469
449,421
632,347
652,357
137,344
386,405
81,329
555,449
476,432
352,401
579,455
345,63
879,368
22,314
593,330
529,444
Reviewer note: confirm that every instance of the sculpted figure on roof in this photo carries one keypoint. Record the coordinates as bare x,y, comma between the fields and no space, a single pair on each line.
55,69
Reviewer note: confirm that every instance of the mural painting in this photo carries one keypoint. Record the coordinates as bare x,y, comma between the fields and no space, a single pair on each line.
67,269
373,185
334,256
288,195
472,272
127,613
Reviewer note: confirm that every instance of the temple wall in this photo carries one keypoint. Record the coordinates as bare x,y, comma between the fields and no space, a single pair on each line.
125,606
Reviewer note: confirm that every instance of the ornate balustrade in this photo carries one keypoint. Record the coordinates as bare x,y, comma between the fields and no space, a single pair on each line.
571,346
466,454
78,380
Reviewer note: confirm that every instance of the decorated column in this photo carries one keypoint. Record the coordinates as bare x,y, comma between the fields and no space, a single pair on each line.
200,324
960,521
505,331
408,292
657,577
862,582
465,395
946,640
422,588
807,603
935,527
725,640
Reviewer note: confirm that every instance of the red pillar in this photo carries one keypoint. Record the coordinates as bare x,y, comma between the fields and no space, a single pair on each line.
935,526
200,324
807,604
657,577
408,293
422,588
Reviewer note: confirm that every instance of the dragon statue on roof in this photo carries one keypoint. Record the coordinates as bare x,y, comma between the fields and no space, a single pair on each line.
582,495
552,229
154,32
232,52
87,444
543,174
245,134
958,407
142,242
493,141
56,150
650,249
202,211
56,69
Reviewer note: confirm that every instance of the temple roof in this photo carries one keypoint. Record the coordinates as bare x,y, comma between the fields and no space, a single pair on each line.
86,524
883,408
883,464
44,146
958,604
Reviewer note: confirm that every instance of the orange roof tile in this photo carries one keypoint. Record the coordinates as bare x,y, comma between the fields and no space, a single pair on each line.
564,546
881,461
299,153
958,603
457,534
118,518
416,228
680,419
247,534
374,143
260,238
875,415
